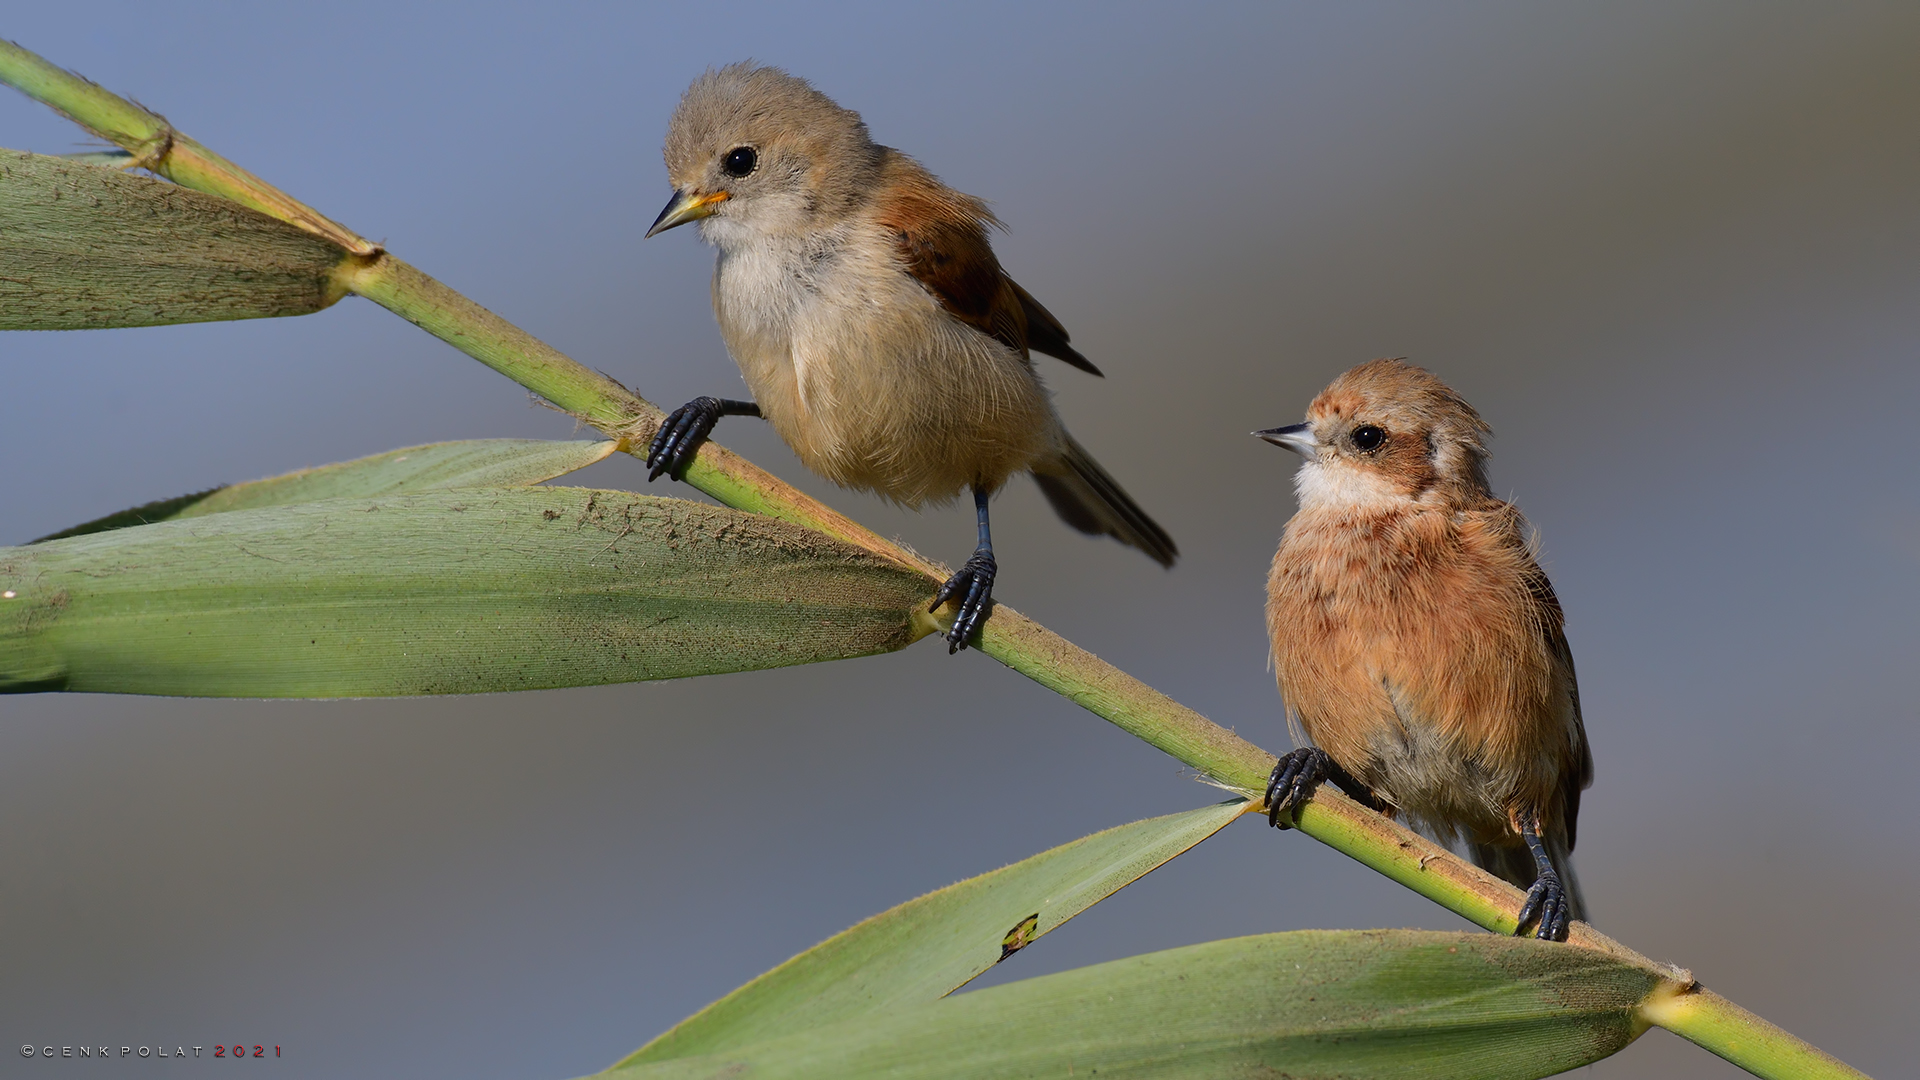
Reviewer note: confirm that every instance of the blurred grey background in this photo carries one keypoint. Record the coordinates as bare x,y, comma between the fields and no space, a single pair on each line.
1669,251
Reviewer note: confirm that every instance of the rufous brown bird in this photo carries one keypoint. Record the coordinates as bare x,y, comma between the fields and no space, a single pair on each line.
875,327
1418,645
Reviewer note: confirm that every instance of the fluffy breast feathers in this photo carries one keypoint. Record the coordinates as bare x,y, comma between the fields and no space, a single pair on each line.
870,375
1393,628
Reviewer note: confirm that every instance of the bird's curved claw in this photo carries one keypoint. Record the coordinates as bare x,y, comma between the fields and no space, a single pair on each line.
1547,900
973,582
680,436
1294,777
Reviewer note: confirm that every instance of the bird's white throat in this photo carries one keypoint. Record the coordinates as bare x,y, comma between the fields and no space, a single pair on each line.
1340,485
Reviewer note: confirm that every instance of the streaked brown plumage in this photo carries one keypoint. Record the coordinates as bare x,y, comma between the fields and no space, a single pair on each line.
863,302
1416,640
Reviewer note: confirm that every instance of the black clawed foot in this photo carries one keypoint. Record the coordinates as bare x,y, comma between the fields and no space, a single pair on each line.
1547,901
974,583
684,429
1293,781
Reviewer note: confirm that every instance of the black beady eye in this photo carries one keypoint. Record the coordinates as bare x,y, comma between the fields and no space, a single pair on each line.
740,161
1367,438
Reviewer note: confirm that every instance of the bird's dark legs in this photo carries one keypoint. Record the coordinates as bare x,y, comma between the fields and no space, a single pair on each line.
685,428
973,581
1547,900
1298,773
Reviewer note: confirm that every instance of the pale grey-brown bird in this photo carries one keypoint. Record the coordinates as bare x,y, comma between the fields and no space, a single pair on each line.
1417,641
871,320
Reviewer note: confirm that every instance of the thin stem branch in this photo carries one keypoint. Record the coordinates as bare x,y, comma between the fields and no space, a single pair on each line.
1710,1021
1009,637
157,147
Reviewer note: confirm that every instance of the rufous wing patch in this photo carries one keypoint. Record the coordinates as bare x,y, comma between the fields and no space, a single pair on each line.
941,237
945,249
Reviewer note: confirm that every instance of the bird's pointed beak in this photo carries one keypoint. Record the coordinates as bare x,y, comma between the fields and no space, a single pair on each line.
685,206
1295,437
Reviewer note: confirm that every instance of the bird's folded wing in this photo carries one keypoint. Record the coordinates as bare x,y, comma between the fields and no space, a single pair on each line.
941,237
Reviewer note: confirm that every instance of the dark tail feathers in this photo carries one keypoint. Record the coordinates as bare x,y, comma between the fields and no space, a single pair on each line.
1088,499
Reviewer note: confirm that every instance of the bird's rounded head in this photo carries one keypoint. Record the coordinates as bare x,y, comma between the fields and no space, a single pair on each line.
755,152
1384,433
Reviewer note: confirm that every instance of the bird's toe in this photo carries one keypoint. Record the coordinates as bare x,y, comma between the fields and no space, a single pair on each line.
1547,902
680,436
972,584
1294,778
